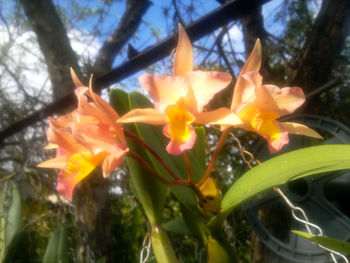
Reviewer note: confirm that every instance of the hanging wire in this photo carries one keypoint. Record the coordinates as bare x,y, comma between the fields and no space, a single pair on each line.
308,224
146,247
295,209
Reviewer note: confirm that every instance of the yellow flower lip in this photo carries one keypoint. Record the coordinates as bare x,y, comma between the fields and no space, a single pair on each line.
179,119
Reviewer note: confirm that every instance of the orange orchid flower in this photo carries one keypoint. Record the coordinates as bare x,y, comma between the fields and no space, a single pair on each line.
85,139
259,106
179,99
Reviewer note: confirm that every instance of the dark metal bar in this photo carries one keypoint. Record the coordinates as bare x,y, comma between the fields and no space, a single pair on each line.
204,26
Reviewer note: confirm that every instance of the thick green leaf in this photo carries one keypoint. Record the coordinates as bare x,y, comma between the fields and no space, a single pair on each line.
193,220
57,248
199,149
149,191
162,247
281,169
328,242
11,211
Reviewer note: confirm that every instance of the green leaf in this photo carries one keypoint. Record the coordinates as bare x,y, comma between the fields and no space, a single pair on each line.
150,192
199,149
177,225
162,247
281,169
219,251
193,220
328,242
11,209
57,248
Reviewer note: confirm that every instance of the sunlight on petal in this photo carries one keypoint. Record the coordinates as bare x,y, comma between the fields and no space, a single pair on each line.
146,115
164,90
183,61
219,116
58,162
299,129
111,162
286,99
252,65
206,84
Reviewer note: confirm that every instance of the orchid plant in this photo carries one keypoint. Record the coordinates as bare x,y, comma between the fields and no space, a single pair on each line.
150,138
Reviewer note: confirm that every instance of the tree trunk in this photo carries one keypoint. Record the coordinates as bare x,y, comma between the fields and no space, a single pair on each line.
323,45
91,196
54,44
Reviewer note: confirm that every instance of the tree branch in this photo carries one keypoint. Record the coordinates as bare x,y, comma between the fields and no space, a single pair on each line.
54,44
135,9
198,29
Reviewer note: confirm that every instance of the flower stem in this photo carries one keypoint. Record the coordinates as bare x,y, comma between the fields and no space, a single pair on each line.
153,152
142,162
214,156
188,167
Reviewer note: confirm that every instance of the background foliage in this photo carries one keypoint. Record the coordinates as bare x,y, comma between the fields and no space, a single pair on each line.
305,43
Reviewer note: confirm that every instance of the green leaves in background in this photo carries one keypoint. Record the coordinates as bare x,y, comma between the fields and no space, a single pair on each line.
57,248
10,215
328,242
281,169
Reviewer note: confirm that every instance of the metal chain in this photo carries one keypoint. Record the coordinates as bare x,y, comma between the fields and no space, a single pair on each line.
304,219
146,247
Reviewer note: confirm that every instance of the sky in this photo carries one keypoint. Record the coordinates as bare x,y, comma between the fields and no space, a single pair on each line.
87,46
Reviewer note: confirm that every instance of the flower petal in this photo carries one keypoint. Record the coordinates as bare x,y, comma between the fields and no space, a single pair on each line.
75,79
253,81
64,139
275,134
221,116
58,162
252,65
206,84
176,148
183,61
65,185
98,138
164,90
78,166
146,115
283,101
300,129
112,161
